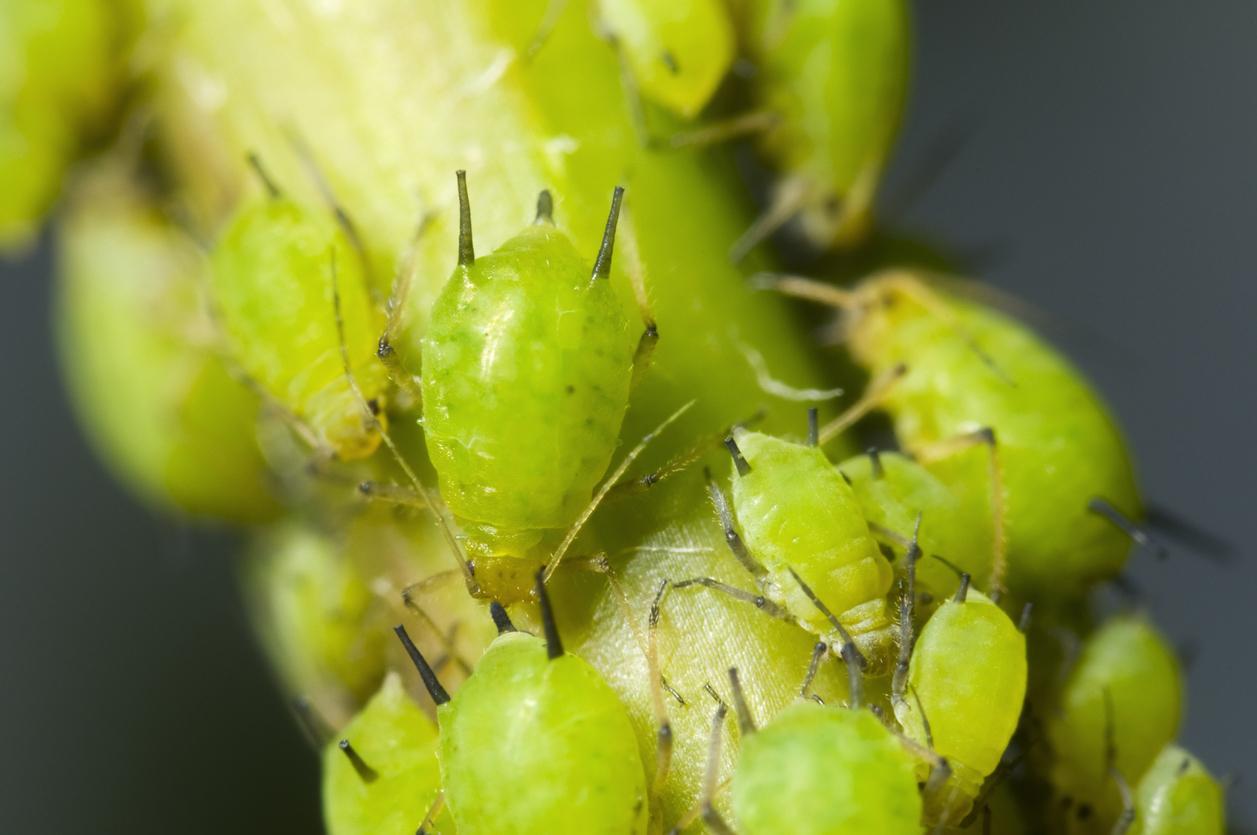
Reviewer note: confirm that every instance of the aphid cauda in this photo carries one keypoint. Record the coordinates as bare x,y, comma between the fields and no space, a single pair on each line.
1178,796
527,366
277,269
536,741
983,399
380,774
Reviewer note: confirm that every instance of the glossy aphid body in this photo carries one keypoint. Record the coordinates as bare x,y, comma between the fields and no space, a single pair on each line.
380,774
1178,796
535,741
291,297
800,520
972,372
963,695
527,366
136,344
1125,691
893,490
834,74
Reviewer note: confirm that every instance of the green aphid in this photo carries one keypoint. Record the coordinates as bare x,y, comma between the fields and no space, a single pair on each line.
316,616
143,370
278,270
1178,796
677,50
893,490
962,695
380,775
57,70
1119,707
835,75
822,770
800,520
527,365
536,742
988,406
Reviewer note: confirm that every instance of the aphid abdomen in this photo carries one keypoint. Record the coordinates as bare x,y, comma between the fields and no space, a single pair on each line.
273,286
968,676
1178,796
796,512
534,745
817,770
526,372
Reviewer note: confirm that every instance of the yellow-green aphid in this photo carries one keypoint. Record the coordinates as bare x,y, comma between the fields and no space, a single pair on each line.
278,268
527,364
973,372
893,490
536,742
822,770
677,50
137,345
380,775
963,694
1125,687
317,617
798,516
835,75
56,74
1178,796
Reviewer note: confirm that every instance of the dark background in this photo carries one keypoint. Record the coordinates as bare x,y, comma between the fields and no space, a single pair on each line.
1108,172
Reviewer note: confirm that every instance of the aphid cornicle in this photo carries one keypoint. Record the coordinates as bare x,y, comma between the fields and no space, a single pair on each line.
1178,796
535,741
974,376
380,773
277,269
527,365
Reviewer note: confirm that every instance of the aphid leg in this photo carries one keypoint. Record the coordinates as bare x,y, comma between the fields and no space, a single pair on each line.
725,130
365,772
874,395
1127,817
746,724
663,735
372,416
438,804
446,639
759,601
851,655
788,199
548,21
394,311
1135,532
1204,542
683,461
732,539
609,482
986,436
264,176
430,681
316,729
819,652
636,270
907,600
711,817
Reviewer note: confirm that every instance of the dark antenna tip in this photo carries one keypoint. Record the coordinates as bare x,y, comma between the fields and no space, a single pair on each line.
739,461
365,772
545,207
466,249
500,618
875,458
430,681
554,644
813,427
602,264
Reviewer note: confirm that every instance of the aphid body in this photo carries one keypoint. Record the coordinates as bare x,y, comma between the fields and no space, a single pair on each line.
380,775
797,514
276,270
526,371
1178,796
821,770
967,679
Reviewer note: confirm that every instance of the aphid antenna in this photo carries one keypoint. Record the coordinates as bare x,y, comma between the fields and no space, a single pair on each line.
906,603
874,395
732,539
739,461
501,619
602,264
314,726
746,724
1135,532
371,415
554,643
438,803
264,176
607,485
365,772
819,651
813,427
663,733
426,673
466,247
787,201
545,208
395,307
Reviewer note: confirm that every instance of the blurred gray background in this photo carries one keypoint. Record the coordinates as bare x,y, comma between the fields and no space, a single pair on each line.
1109,172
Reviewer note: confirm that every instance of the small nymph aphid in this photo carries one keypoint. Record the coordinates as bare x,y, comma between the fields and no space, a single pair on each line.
983,399
1178,796
536,741
527,366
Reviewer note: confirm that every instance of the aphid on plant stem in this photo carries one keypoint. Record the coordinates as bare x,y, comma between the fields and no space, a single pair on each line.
1124,688
527,367
275,270
961,692
984,399
1178,796
536,741
380,774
